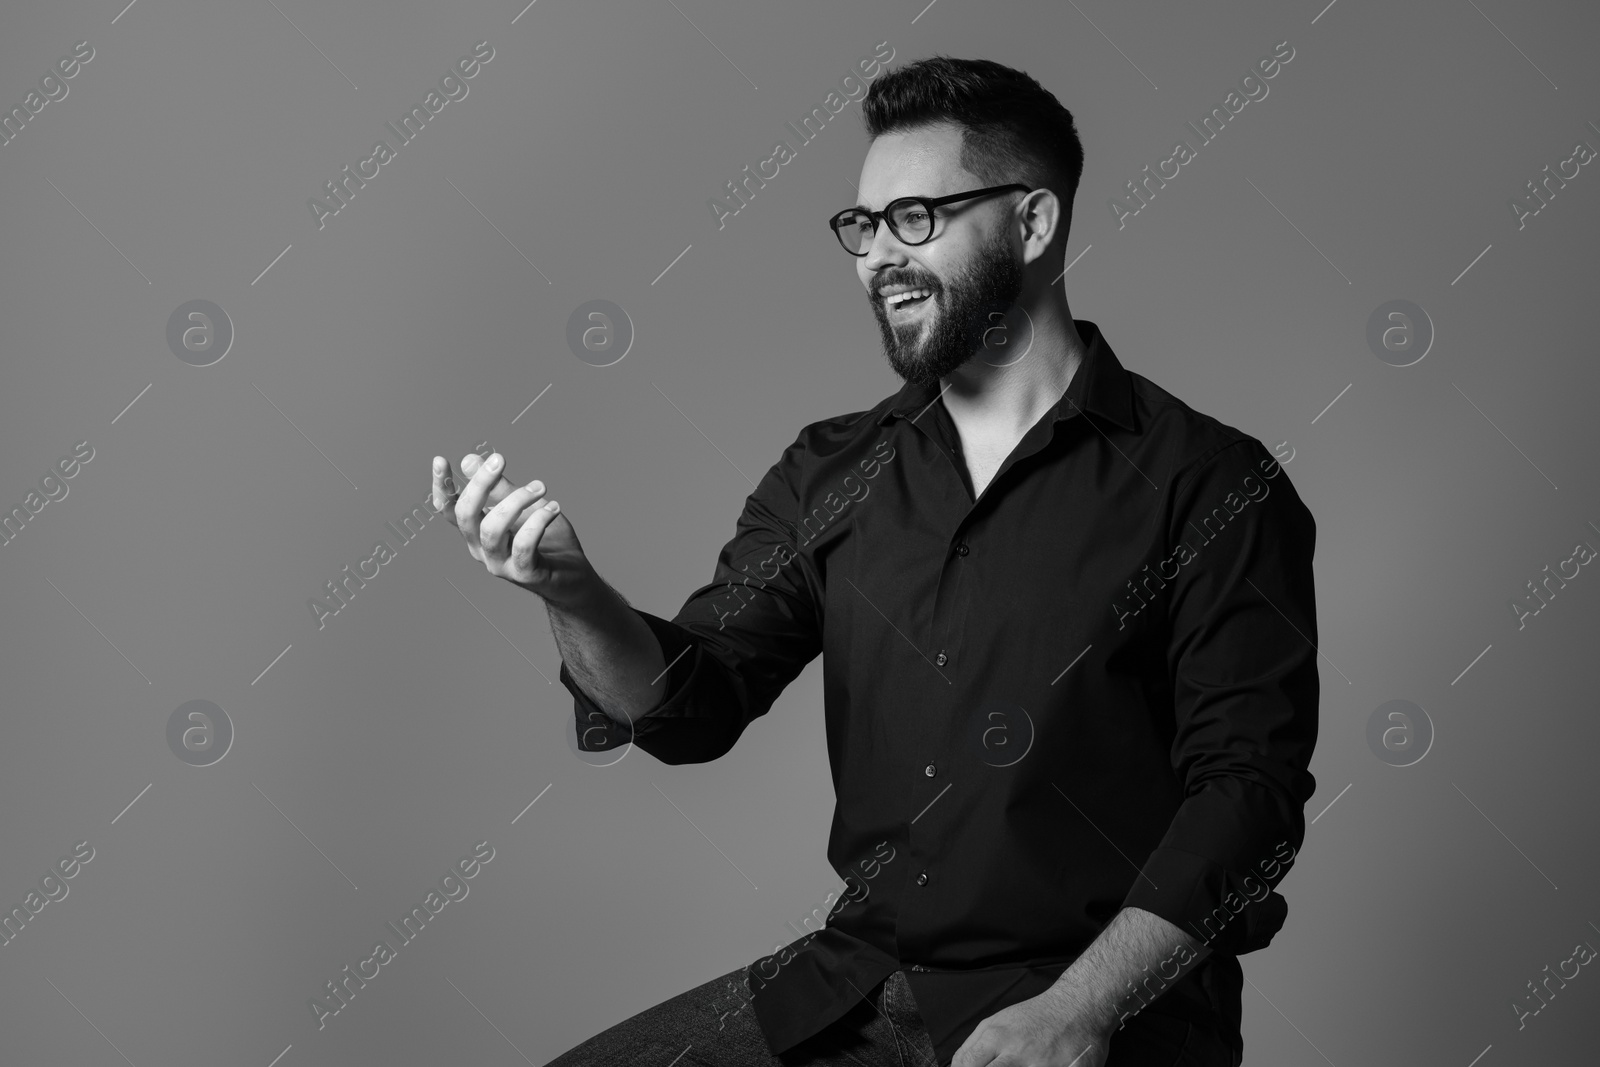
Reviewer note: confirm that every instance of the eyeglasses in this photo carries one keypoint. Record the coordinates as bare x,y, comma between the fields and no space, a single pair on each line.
910,218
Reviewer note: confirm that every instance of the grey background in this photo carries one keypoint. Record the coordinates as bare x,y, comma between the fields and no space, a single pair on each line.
421,719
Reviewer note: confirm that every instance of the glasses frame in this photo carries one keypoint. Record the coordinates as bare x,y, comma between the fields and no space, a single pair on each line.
928,203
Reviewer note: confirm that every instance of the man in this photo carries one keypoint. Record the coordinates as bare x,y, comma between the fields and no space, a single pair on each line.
1068,635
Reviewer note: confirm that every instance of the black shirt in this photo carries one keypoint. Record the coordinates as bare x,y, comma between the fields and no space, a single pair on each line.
1094,685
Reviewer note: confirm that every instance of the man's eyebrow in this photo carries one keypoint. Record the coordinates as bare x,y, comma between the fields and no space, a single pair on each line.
908,196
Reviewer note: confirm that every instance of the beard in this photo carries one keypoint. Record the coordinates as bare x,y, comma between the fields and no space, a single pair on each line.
951,331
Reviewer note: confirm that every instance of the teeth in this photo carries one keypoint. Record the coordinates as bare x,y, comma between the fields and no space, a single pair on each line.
900,298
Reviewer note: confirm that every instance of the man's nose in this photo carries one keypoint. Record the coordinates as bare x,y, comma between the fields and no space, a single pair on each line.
884,250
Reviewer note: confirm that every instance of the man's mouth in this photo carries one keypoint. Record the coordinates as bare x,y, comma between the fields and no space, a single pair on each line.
902,304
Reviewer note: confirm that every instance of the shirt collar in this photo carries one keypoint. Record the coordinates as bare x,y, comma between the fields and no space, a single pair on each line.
1101,386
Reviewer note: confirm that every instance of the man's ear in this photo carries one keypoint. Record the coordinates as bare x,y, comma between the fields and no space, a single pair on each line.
1041,218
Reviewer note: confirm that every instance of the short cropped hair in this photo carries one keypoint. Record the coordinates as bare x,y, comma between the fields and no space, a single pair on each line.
1013,129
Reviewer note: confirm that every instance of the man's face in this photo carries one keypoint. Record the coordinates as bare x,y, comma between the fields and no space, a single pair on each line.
969,265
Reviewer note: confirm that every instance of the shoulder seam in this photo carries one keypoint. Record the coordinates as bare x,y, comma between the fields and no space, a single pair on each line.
1204,461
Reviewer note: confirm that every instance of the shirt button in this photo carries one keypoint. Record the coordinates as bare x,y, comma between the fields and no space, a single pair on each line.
962,549
940,659
922,879
928,770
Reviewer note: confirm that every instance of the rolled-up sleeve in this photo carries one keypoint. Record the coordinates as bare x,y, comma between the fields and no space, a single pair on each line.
734,645
1241,636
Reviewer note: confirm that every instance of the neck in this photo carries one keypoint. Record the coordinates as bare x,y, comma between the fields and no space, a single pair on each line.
1009,399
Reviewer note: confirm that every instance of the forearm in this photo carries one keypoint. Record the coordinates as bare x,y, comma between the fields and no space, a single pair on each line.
1136,957
609,651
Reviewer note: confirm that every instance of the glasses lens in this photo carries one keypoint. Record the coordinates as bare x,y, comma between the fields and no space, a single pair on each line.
855,231
911,221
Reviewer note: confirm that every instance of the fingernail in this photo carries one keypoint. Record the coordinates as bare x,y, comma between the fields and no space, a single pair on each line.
494,461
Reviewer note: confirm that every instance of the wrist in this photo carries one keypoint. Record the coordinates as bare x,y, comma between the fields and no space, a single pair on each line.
1083,1007
584,594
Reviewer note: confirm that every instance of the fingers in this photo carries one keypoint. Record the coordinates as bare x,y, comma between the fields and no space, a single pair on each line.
444,489
445,481
470,464
470,504
533,527
501,517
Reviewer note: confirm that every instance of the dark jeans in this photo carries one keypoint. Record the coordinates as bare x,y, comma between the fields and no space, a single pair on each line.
714,1025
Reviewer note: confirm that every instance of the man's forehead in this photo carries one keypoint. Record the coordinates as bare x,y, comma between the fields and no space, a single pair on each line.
922,161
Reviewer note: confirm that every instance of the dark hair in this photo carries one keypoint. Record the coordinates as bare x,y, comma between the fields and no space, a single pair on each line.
1013,129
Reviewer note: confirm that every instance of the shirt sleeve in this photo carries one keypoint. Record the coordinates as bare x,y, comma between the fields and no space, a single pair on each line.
1241,632
736,642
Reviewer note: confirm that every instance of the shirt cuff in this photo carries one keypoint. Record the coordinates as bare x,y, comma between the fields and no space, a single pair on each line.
599,732
1230,912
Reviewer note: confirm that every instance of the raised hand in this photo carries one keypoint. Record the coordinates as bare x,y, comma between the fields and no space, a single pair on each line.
513,530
